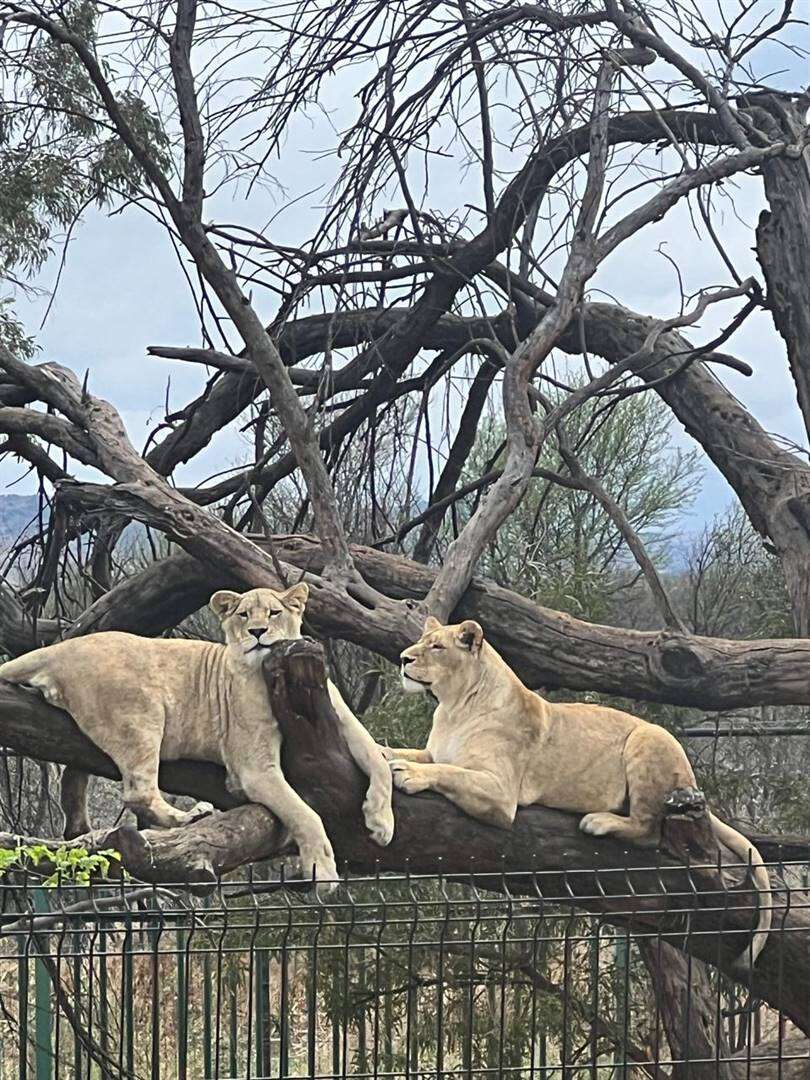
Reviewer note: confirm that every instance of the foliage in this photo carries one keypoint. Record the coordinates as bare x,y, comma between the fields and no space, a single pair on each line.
734,587
59,155
397,718
559,547
74,865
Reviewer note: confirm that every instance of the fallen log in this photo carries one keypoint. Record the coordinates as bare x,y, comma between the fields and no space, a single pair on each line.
544,855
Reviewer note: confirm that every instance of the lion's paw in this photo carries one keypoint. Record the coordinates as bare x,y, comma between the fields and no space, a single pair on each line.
597,824
318,863
379,822
408,776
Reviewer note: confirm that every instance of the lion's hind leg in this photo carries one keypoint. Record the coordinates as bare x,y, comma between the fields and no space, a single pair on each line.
133,742
623,828
73,800
142,795
655,765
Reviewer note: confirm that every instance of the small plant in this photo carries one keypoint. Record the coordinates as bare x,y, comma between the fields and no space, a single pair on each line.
74,865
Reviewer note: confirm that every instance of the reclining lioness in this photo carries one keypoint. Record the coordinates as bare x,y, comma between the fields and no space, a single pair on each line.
143,700
496,745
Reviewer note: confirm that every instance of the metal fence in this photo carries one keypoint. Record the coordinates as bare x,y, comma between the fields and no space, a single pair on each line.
388,977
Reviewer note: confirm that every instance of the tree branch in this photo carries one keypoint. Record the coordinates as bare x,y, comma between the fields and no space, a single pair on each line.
620,519
186,217
546,648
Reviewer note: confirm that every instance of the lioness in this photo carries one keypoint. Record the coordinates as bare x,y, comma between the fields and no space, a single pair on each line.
143,700
496,745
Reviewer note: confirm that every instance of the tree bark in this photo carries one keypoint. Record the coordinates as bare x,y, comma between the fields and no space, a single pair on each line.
772,484
543,855
783,240
19,633
688,1011
783,249
788,1059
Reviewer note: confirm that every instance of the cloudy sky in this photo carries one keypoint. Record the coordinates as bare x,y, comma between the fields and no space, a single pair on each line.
122,290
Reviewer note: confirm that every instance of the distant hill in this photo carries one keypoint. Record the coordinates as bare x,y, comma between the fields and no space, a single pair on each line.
18,514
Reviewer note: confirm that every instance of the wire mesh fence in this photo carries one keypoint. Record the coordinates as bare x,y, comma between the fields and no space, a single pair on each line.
386,977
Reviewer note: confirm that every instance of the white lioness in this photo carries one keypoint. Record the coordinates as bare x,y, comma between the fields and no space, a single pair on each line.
496,745
143,700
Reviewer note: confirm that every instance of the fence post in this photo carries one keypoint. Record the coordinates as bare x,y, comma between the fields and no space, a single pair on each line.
182,1006
207,1005
43,1010
233,1020
103,989
622,953
261,989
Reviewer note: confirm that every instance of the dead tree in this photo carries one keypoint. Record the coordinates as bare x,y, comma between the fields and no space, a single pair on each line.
383,308
645,890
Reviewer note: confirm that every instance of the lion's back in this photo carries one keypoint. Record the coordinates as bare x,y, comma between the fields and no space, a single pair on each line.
112,668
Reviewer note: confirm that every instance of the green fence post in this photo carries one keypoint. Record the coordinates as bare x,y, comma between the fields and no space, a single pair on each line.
208,1069
233,1020
127,995
261,1010
43,1010
622,953
22,1009
182,1007
77,1002
103,990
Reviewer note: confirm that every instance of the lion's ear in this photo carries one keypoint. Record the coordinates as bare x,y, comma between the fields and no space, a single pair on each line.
296,597
470,635
224,603
431,624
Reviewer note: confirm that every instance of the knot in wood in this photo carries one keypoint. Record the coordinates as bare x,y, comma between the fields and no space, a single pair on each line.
680,661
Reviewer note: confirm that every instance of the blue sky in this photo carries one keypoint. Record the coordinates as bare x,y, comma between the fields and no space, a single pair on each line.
122,290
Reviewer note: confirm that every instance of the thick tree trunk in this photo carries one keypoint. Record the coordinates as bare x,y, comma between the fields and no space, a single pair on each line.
783,248
783,243
543,855
688,1011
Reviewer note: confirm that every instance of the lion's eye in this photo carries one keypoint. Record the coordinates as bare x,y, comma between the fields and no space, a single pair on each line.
243,614
273,614
437,646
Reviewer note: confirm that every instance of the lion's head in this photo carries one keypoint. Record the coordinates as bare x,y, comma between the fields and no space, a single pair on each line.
253,620
445,660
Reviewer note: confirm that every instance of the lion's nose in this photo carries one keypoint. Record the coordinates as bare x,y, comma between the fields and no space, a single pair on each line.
257,632
407,660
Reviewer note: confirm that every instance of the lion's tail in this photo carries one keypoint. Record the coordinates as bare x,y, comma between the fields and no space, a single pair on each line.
747,853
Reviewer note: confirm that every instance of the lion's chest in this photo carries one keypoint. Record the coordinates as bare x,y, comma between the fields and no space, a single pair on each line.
447,748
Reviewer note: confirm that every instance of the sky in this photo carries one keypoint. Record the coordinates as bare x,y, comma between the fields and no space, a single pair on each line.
122,290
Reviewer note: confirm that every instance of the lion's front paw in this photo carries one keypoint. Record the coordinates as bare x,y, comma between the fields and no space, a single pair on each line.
318,864
597,824
379,822
388,752
408,776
